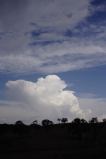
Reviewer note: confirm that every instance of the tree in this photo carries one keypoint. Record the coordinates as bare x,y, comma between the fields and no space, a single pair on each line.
59,120
83,121
94,120
64,120
35,122
104,120
46,122
77,121
19,122
20,127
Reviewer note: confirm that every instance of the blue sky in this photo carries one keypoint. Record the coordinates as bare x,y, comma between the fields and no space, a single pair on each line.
64,38
91,80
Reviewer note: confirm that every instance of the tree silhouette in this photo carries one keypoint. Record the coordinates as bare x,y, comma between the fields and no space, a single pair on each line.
35,122
20,127
59,120
94,120
64,120
83,121
104,120
46,122
77,121
19,122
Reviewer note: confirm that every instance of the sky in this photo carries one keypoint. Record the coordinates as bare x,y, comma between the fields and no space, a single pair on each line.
52,59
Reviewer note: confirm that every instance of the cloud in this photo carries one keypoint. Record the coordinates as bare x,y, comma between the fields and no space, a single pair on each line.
97,106
54,58
49,36
48,13
46,98
30,21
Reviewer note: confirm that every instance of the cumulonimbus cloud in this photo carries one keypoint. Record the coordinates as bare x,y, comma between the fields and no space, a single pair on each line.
47,98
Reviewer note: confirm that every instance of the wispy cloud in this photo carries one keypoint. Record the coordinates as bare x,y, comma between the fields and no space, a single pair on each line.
50,36
58,57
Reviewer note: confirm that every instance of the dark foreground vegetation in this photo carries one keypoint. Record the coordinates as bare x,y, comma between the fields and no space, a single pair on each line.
78,139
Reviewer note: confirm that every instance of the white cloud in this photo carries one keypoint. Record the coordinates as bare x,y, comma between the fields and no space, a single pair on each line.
95,104
46,98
